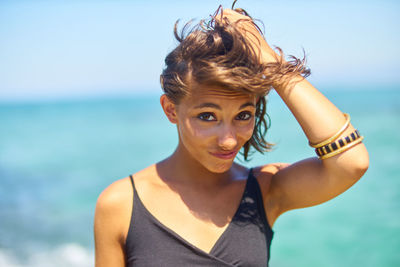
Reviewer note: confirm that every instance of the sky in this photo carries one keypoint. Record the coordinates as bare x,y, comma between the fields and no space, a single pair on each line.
62,49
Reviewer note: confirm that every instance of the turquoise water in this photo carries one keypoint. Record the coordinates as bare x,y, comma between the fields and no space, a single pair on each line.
56,157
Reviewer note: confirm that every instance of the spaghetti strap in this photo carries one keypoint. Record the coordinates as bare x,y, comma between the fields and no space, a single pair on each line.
250,173
133,184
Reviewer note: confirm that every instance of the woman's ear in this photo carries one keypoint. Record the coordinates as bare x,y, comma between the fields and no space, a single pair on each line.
169,108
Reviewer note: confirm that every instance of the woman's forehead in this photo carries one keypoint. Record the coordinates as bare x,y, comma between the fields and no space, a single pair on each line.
215,98
218,96
219,92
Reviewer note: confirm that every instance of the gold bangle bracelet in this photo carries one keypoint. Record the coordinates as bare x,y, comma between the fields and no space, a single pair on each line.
330,139
342,149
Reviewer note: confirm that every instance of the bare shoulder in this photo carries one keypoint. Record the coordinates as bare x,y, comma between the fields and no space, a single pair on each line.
115,203
114,195
119,195
265,173
111,223
114,207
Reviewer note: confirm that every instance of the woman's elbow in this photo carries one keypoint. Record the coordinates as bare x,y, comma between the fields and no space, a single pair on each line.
352,164
360,163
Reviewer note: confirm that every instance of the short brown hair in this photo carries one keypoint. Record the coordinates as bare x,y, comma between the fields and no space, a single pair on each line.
215,53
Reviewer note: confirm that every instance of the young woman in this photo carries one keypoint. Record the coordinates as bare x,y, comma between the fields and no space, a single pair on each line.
200,208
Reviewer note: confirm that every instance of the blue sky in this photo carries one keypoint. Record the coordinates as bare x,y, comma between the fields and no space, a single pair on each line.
60,49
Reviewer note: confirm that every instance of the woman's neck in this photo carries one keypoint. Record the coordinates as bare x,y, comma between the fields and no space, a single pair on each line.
182,168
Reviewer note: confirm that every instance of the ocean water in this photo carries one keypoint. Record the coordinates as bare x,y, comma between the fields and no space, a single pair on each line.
56,158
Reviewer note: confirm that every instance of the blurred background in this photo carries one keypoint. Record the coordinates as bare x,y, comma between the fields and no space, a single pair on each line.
79,89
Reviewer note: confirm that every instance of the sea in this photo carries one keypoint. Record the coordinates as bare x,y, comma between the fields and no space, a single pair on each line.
56,157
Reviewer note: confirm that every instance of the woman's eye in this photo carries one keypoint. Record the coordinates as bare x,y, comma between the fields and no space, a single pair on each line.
244,116
206,117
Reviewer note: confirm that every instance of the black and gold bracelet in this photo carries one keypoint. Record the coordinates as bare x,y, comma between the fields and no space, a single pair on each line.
339,145
342,149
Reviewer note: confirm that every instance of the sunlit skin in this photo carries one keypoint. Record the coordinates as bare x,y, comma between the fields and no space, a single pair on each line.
196,191
213,127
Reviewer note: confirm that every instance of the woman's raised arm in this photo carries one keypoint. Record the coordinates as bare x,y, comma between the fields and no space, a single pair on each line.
311,181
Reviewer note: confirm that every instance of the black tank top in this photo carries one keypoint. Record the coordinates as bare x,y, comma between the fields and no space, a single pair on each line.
245,242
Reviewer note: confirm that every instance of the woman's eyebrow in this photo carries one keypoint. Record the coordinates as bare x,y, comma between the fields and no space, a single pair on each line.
247,105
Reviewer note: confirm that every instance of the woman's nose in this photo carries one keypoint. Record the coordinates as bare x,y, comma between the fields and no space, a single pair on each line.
227,138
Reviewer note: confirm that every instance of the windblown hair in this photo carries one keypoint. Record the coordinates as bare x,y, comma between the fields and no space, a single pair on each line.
215,53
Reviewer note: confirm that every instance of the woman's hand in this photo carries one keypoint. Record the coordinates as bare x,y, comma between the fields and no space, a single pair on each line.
251,32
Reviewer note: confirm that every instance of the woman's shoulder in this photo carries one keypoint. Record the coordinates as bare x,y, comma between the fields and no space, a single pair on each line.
113,208
114,204
268,170
117,193
265,173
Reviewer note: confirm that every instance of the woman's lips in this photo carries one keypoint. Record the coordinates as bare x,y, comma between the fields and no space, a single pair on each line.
225,155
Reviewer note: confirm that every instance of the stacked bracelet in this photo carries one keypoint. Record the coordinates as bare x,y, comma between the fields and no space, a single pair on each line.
342,149
333,146
339,145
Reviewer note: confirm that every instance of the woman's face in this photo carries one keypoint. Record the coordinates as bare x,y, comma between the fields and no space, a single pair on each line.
213,127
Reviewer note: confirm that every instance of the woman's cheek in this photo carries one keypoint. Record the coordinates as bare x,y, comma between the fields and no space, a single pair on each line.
198,130
247,131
